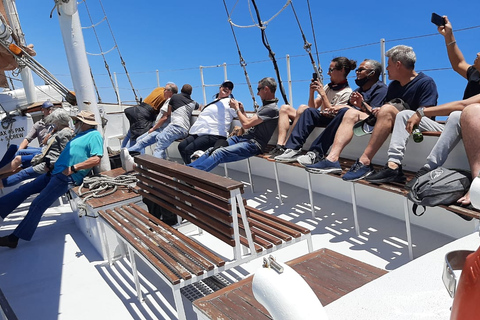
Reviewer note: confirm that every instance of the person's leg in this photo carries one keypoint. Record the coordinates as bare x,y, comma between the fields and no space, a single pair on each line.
29,151
324,141
25,174
470,132
12,200
182,148
286,113
237,149
307,121
344,133
147,140
451,135
12,166
202,143
9,155
126,140
166,138
57,185
385,122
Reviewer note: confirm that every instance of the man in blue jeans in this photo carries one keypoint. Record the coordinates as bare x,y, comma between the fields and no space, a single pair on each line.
81,154
259,129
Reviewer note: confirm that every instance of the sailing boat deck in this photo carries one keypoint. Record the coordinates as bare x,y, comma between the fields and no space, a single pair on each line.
59,274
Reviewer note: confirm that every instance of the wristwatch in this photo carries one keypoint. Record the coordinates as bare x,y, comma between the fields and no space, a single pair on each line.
73,168
420,112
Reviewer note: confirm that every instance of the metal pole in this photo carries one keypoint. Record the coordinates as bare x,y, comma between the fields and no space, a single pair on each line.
158,78
384,65
225,71
203,86
289,76
117,89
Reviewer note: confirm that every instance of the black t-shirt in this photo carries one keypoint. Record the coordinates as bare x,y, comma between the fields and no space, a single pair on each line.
263,131
473,85
420,92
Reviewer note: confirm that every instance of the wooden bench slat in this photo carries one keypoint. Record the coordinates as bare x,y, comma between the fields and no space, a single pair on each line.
155,248
173,278
179,240
278,220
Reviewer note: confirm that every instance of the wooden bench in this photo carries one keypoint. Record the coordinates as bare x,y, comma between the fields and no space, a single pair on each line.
208,201
331,275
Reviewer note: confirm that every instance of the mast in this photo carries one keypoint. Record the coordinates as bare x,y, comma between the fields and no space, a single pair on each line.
73,41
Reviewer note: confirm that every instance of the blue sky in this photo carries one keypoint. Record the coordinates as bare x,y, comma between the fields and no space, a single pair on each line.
176,39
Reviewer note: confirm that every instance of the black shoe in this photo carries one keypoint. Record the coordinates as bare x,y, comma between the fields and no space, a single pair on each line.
421,172
387,175
278,150
9,241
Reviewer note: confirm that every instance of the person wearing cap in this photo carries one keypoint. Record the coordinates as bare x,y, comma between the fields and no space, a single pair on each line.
140,119
259,129
81,154
21,155
179,112
45,160
212,125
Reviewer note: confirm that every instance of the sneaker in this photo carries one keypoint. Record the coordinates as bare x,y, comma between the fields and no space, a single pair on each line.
278,150
387,175
289,155
325,166
358,171
197,154
309,158
127,160
421,172
9,241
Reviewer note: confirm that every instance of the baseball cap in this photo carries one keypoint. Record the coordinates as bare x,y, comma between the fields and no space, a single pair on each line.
47,104
228,84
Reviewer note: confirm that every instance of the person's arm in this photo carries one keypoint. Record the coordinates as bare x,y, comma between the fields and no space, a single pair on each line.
246,122
160,122
87,164
454,54
24,144
441,110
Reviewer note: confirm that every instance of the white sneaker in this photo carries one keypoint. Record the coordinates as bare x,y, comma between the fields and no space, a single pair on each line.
289,155
127,160
309,158
197,154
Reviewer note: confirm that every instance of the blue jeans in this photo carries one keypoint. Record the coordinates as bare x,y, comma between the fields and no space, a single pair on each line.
238,149
49,187
25,174
310,119
166,137
26,155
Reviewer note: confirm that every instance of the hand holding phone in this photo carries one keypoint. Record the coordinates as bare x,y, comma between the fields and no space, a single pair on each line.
314,76
438,20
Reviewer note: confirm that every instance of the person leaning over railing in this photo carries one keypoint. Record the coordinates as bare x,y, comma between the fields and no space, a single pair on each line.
81,154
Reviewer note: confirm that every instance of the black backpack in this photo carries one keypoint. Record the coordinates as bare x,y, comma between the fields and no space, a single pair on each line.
440,186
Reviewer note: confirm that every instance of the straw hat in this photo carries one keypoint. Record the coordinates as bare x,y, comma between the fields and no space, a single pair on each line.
86,117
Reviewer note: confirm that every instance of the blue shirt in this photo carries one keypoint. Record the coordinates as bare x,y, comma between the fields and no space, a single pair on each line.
420,92
84,145
375,96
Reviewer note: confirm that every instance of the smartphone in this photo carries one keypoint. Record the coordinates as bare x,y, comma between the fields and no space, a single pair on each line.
438,20
315,76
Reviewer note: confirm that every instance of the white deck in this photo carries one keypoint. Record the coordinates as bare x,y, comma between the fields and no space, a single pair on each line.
59,274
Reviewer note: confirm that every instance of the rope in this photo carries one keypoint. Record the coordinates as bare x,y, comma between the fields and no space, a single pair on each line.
308,47
102,186
265,23
107,67
271,53
315,41
243,64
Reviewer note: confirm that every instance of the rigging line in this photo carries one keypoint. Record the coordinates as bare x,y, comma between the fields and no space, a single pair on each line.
95,86
243,64
94,25
432,34
119,54
308,47
314,39
271,54
101,50
265,23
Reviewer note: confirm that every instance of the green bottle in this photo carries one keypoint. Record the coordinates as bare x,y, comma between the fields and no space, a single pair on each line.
417,134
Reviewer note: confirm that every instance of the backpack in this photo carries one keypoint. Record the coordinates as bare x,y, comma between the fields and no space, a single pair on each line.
440,186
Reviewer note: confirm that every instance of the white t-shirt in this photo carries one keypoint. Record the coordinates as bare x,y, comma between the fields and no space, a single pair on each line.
215,119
